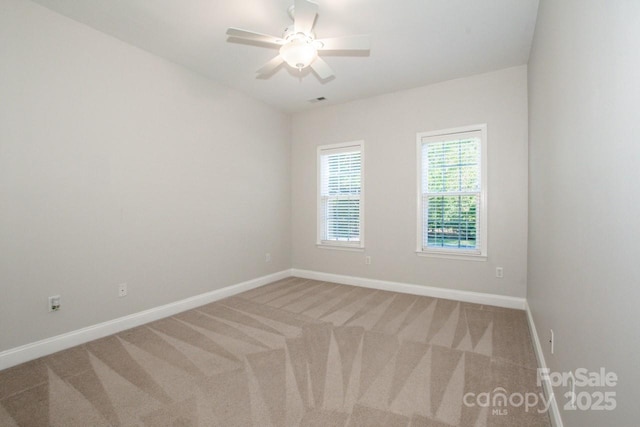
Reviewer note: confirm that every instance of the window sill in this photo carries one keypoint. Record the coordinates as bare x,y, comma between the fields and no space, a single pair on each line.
451,255
340,248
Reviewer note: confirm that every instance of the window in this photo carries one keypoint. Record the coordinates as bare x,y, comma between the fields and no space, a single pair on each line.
340,195
452,192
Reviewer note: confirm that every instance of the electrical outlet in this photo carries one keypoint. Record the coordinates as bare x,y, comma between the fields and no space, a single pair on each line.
122,290
54,303
551,340
267,257
367,260
499,272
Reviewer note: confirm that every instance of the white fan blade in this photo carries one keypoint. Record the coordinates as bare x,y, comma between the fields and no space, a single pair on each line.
344,43
321,68
304,15
251,35
270,66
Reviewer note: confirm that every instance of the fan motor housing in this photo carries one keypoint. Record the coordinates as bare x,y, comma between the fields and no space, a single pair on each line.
290,31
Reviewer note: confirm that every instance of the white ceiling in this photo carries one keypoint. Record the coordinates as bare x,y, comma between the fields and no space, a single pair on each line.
413,42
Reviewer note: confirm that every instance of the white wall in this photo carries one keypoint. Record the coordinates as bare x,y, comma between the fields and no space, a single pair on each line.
118,166
388,124
584,229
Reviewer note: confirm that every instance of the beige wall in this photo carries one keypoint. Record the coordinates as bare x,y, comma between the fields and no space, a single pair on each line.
388,124
584,274
117,166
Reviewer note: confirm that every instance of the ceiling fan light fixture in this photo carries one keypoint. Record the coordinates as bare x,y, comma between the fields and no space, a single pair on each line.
298,45
298,53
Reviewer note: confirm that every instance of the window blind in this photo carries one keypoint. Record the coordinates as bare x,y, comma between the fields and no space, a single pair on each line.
451,192
340,195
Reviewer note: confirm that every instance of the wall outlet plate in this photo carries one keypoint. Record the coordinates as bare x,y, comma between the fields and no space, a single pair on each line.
54,303
122,290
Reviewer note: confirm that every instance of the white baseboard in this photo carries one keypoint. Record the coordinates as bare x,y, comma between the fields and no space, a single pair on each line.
57,343
430,291
554,411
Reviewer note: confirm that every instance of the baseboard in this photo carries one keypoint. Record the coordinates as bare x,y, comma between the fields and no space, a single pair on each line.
407,288
554,411
57,343
51,345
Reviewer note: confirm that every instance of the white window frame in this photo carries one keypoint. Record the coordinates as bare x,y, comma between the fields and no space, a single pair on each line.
479,254
331,244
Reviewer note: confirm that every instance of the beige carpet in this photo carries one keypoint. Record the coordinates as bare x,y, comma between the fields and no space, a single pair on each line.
295,352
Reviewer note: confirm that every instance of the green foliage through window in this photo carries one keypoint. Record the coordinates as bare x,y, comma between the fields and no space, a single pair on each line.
451,193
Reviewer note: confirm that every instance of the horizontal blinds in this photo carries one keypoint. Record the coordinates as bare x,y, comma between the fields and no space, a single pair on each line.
340,189
451,190
451,166
342,219
450,222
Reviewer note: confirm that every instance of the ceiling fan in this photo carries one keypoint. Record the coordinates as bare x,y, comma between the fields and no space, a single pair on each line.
298,46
